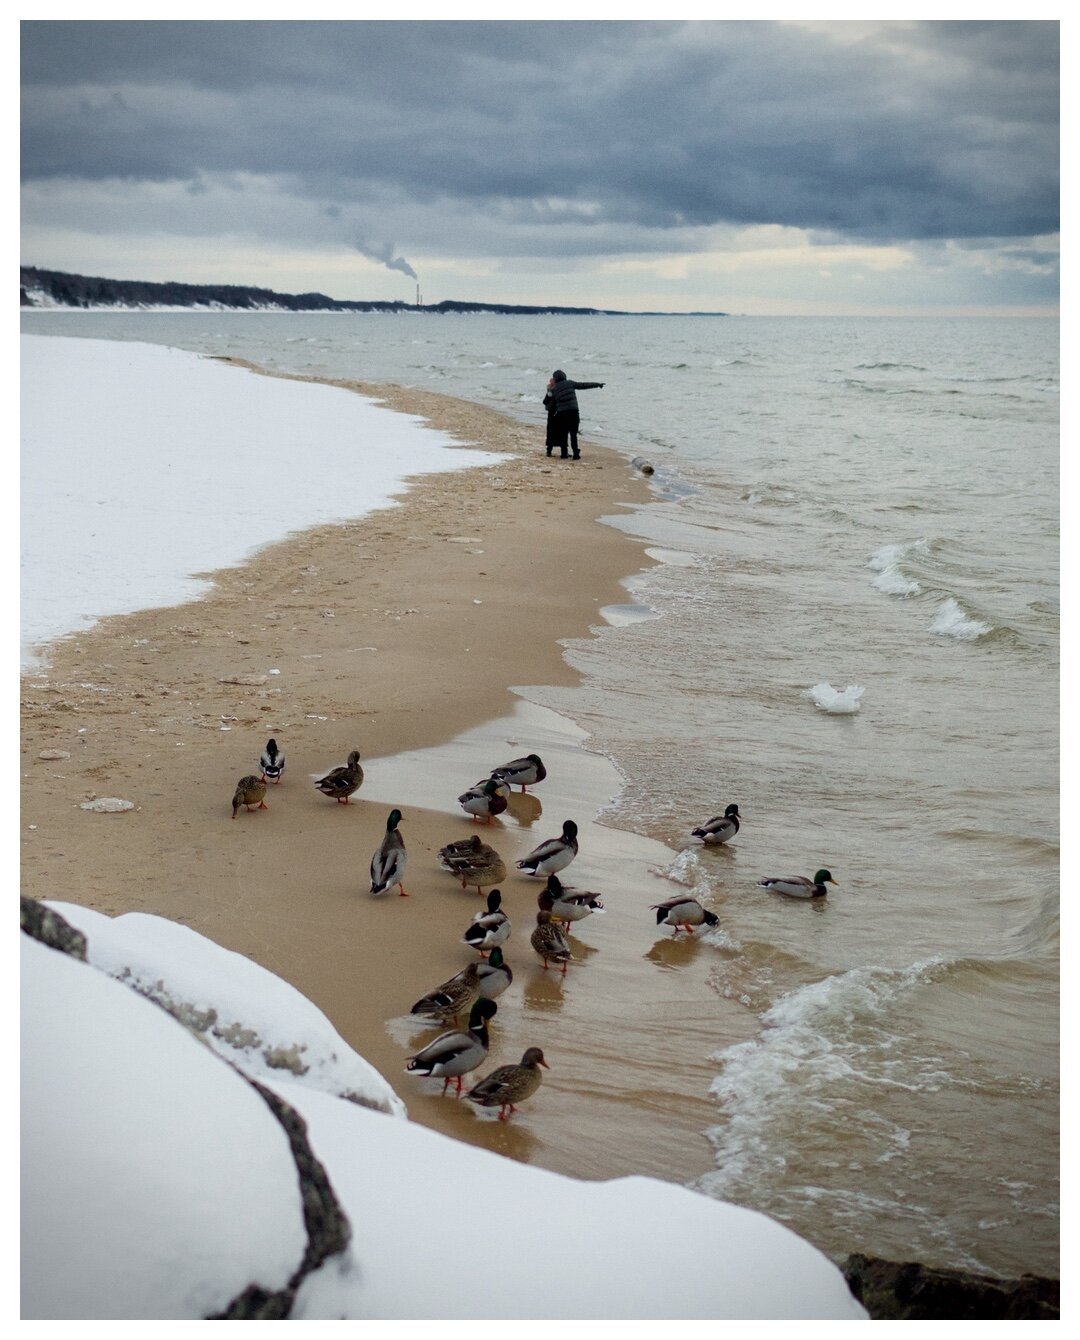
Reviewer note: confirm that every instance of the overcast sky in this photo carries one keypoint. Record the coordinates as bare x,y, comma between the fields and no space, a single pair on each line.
752,167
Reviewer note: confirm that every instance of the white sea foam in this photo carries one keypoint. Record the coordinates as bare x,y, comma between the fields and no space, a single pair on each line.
818,1040
839,702
951,621
891,579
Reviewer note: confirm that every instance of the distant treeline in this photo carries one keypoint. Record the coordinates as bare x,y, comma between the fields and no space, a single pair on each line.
53,288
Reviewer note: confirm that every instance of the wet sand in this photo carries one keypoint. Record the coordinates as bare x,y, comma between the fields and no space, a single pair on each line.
398,635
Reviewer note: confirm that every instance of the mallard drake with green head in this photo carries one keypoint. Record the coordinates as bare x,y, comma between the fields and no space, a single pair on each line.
388,863
722,828
569,904
554,854
474,862
522,772
483,801
510,1084
340,783
798,886
488,928
250,792
454,1054
272,762
684,913
548,938
446,1002
493,975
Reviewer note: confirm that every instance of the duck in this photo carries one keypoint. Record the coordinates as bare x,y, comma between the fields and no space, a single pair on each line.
388,863
474,862
249,792
522,772
548,938
509,1085
483,801
454,1054
719,829
272,762
340,783
447,1001
554,854
494,975
798,886
569,904
683,912
488,928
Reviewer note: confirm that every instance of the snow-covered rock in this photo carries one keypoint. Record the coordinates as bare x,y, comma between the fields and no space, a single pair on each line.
246,1014
156,1183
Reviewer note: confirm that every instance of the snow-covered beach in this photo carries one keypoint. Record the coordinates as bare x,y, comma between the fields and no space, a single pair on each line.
116,704
144,466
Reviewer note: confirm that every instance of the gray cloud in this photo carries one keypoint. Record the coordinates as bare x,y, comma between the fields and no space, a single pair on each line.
569,139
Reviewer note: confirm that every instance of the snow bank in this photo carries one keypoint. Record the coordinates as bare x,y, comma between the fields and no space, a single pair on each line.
155,1182
246,1014
142,466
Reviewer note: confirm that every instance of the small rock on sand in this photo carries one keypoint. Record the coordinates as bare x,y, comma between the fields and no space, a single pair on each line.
107,805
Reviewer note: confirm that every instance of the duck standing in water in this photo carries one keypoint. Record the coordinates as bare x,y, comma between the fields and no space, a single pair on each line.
554,854
272,762
488,928
568,905
454,1054
522,772
548,939
510,1084
340,783
483,801
250,792
716,831
446,1002
388,863
798,886
684,913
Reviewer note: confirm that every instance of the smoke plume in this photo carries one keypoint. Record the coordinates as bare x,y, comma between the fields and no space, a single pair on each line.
383,252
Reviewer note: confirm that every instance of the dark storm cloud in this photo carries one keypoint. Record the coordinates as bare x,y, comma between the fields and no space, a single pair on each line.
893,131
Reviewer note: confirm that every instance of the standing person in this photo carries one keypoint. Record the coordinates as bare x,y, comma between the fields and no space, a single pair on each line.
564,403
553,437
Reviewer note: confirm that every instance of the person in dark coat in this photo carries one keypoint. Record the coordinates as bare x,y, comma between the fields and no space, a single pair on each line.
553,438
563,414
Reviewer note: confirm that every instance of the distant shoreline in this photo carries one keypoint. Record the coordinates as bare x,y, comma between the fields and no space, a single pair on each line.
55,290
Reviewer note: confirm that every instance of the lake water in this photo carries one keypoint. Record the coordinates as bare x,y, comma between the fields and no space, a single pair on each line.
858,502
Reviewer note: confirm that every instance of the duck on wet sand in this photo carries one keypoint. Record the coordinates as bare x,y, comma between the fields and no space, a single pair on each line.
522,772
510,1084
474,862
388,863
569,904
454,1054
553,855
490,928
684,913
483,801
452,998
249,792
548,939
340,783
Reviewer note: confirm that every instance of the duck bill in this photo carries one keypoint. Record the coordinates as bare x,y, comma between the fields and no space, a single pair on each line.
545,1065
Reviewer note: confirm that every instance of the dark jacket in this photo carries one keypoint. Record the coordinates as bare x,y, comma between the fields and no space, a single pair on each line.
561,397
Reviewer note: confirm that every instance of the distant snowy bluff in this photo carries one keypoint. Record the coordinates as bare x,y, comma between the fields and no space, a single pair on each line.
53,288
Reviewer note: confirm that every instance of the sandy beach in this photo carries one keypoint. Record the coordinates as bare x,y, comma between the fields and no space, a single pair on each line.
400,635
